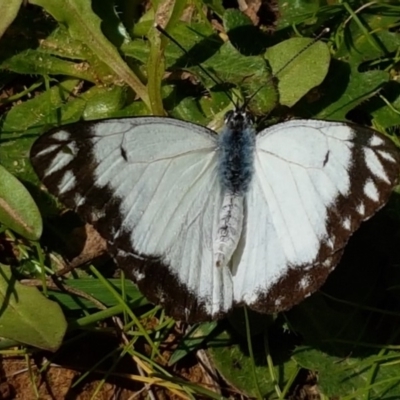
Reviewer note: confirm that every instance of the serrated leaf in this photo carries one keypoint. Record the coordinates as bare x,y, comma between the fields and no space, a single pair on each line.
61,44
36,62
350,88
27,317
297,76
84,25
8,11
18,211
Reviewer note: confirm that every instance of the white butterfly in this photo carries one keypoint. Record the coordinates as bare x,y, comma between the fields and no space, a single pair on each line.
205,222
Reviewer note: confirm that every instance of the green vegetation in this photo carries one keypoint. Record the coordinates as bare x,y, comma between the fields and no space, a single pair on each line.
67,60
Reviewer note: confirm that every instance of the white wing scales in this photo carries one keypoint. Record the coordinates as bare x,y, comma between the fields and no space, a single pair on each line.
308,193
151,188
145,184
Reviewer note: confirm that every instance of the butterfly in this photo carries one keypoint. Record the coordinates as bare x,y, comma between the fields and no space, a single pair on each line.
204,222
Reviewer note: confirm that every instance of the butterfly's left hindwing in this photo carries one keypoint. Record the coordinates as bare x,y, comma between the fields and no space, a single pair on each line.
144,183
314,183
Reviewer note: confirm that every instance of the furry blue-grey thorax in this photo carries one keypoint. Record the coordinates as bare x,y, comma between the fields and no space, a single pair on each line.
236,152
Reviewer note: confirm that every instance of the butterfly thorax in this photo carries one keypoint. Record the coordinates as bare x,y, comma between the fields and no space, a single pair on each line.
236,152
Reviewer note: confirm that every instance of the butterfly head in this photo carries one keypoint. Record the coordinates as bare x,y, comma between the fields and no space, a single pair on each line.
238,119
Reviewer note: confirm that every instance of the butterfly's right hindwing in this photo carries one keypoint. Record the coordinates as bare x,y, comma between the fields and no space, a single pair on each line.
150,187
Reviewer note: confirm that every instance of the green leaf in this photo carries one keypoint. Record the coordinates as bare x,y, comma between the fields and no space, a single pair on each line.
188,109
32,116
135,108
105,103
60,43
95,288
42,110
18,211
369,36
348,88
155,71
8,11
298,68
216,6
199,41
250,73
374,377
237,368
234,19
296,11
242,33
84,25
23,33
385,110
175,11
26,316
197,335
37,62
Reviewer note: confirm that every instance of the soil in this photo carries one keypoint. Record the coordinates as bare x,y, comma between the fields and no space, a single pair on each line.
61,379
58,383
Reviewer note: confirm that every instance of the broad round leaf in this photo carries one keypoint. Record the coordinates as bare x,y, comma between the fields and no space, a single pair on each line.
18,211
8,11
27,316
298,68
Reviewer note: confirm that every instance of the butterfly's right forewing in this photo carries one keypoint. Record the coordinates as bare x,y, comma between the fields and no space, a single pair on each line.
150,187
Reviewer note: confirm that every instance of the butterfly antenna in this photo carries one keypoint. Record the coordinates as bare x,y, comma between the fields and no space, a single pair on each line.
322,33
167,35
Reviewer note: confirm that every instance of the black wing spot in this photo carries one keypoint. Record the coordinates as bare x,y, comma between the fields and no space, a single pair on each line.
123,154
326,158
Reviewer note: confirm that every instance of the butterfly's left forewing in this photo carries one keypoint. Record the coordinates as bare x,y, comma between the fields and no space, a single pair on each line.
314,183
150,187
